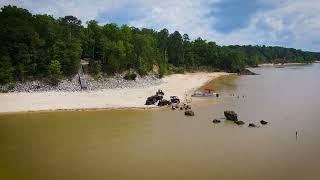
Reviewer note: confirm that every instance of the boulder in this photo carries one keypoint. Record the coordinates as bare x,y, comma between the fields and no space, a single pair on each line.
188,107
164,102
189,113
246,72
263,122
160,93
252,125
239,123
215,121
174,99
151,100
231,115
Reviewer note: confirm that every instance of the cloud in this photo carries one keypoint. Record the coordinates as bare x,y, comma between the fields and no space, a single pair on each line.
84,10
291,23
186,16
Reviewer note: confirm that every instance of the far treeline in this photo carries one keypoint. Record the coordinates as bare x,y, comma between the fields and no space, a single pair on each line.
41,47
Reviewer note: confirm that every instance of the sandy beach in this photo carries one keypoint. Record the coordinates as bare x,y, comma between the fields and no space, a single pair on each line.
177,84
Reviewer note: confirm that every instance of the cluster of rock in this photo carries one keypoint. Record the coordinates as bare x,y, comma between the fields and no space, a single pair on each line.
158,97
174,102
118,81
71,85
40,86
232,116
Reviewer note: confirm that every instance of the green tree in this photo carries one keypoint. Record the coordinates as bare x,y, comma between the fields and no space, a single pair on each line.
31,41
6,69
175,49
55,73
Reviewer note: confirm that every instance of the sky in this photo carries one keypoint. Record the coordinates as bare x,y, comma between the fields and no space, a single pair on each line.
288,23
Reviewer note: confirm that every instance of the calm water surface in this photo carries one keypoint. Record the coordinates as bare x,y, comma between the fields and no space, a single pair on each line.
164,144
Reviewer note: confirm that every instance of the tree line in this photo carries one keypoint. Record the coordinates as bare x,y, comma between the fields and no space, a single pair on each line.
45,48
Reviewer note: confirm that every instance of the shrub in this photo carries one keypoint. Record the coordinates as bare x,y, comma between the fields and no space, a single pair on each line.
11,86
95,68
163,70
130,76
177,70
55,73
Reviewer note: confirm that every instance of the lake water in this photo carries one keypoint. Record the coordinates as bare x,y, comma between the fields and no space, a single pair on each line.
165,144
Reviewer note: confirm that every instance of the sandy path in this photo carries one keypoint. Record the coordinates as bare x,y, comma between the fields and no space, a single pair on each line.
177,84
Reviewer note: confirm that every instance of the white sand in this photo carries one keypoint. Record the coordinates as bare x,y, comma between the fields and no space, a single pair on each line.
177,84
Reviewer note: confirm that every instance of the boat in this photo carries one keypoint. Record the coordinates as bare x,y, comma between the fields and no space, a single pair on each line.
210,93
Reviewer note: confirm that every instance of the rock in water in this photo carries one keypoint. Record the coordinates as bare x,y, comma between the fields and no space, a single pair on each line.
216,121
239,123
189,113
247,72
231,115
263,122
252,125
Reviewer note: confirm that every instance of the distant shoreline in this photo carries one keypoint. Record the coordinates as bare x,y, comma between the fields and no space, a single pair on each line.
279,64
118,98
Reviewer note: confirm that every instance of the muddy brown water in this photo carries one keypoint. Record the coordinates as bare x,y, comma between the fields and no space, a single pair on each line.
164,144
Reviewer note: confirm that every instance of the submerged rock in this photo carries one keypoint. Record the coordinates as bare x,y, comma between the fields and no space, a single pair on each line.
252,125
216,121
231,115
189,113
263,122
239,123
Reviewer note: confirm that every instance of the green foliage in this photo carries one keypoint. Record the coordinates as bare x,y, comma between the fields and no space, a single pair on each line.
232,60
163,70
29,42
175,49
32,41
130,76
176,69
94,68
55,73
6,69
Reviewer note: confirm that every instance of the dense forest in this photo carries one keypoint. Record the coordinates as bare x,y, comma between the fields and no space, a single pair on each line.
42,47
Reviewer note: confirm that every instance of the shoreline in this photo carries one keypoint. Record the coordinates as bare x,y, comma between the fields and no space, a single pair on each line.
106,99
279,64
